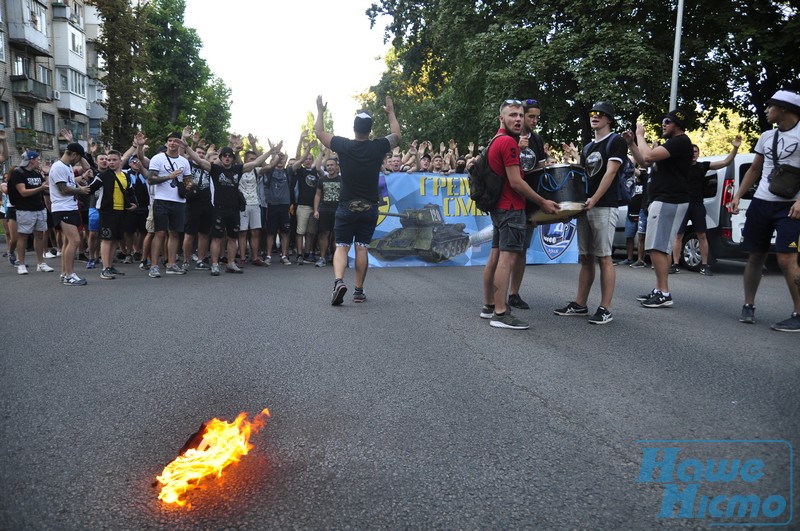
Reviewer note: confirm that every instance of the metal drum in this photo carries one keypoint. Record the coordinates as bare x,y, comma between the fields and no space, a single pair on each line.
566,184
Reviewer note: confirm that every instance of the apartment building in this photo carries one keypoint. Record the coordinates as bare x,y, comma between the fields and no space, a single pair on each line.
49,74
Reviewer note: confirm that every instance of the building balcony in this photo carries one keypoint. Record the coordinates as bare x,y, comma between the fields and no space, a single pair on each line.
25,33
38,140
27,88
95,72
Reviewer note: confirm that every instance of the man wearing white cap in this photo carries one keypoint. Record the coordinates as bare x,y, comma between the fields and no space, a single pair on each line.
26,191
773,210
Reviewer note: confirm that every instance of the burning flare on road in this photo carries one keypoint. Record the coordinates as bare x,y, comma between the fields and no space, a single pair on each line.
215,446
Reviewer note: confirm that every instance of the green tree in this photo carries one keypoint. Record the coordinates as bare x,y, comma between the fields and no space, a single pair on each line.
212,111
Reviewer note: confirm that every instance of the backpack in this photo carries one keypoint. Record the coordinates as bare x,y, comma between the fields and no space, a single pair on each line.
626,173
485,186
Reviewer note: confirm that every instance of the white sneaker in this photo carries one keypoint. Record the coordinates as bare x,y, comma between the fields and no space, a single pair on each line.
22,269
49,254
44,268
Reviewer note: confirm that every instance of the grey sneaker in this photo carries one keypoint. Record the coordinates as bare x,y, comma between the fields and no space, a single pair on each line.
748,314
128,259
601,316
154,272
175,269
507,320
516,301
185,267
337,297
792,324
320,262
106,274
359,296
214,270
487,311
674,269
115,271
233,268
73,280
285,260
571,309
637,265
202,266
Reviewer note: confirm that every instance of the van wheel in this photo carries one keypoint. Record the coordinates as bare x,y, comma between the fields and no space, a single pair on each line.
690,252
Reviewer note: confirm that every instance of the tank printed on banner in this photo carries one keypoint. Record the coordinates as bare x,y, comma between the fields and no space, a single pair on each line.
424,234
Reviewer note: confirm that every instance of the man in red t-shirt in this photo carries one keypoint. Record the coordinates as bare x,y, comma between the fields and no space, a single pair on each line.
508,217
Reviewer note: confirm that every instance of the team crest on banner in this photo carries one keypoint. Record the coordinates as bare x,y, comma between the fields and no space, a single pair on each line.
556,238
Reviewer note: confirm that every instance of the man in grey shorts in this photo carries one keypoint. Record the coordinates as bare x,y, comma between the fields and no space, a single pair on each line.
669,197
601,158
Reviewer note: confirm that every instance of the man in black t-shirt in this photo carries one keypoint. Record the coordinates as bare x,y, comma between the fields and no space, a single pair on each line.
360,161
696,213
26,190
326,201
199,214
669,196
303,178
225,196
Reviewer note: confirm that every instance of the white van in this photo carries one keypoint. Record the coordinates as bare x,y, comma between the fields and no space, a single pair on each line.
724,229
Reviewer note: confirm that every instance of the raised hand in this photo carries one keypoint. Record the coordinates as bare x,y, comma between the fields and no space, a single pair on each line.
737,142
187,132
320,105
66,134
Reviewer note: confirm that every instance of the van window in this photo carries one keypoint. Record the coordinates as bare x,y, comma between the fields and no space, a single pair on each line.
742,171
710,185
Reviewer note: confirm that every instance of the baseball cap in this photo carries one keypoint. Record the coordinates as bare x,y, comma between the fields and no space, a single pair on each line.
28,156
362,123
76,148
677,116
227,150
134,158
605,108
787,99
174,134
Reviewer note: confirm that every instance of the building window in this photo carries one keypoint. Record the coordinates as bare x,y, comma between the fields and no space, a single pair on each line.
76,42
48,123
4,118
77,83
45,75
2,41
63,80
22,66
25,117
37,15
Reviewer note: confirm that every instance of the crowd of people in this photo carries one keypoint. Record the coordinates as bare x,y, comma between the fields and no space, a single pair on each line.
193,207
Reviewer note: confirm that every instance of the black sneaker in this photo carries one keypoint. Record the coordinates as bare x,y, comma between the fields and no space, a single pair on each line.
571,309
705,269
516,301
601,316
658,300
674,269
508,321
748,314
115,271
338,294
642,298
487,311
106,274
792,324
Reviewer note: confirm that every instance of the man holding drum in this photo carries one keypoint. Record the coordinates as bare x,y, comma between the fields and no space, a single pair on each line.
601,159
508,218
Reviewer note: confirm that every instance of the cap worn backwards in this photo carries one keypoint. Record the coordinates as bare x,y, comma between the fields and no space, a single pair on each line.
362,123
28,156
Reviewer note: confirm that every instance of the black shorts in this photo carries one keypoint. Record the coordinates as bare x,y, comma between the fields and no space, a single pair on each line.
765,218
327,218
112,225
136,222
278,219
696,213
226,221
199,218
70,217
11,213
354,226
84,213
168,216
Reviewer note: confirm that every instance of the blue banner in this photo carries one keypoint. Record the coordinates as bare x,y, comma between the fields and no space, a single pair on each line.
429,220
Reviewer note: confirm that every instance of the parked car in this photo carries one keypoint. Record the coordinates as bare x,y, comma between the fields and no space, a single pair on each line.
724,230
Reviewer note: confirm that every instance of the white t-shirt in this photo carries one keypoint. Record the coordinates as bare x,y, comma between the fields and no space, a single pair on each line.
248,185
788,153
164,165
62,173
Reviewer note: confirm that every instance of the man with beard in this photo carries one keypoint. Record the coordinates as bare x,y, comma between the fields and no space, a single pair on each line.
669,197
508,217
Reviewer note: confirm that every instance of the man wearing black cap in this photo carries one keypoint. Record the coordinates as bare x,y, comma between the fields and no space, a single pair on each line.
225,177
64,193
769,212
669,196
167,173
360,161
601,158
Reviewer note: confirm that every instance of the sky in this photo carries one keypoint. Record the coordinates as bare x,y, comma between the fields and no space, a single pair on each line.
277,56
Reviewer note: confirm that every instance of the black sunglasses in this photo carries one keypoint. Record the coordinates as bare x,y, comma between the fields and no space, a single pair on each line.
666,121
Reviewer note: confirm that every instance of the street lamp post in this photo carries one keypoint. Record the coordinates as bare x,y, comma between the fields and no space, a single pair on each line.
676,58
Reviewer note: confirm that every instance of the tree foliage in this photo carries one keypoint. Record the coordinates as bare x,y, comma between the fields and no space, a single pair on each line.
454,62
156,78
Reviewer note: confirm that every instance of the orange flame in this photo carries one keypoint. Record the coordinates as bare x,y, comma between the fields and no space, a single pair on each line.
223,443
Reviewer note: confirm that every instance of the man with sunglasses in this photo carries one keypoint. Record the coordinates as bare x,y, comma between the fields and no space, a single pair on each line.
601,158
531,156
225,177
168,170
669,196
508,217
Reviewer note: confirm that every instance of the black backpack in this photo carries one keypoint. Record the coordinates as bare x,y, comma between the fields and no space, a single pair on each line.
626,173
485,186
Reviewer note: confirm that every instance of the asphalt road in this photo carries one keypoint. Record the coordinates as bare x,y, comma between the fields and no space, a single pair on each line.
406,412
